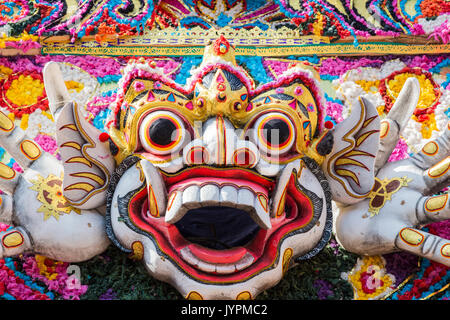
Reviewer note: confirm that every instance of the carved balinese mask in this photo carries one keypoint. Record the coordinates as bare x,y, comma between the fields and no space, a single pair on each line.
218,186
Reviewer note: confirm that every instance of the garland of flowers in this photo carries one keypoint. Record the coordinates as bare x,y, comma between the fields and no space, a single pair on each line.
24,42
15,286
18,278
54,275
433,8
391,86
17,16
22,285
377,78
369,278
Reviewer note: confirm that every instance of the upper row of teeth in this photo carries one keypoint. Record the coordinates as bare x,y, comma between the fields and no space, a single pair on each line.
194,196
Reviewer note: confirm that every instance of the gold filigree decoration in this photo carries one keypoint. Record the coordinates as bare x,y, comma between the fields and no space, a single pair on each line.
201,37
138,251
50,195
382,191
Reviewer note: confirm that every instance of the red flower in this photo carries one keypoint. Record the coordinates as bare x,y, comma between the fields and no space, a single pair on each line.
369,282
48,262
405,296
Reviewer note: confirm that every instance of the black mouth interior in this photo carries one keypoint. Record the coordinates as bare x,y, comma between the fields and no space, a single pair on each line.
218,228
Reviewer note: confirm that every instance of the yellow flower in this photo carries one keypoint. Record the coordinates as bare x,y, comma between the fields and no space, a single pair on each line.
368,86
74,85
25,91
318,25
42,262
428,126
24,121
427,94
380,110
369,279
5,72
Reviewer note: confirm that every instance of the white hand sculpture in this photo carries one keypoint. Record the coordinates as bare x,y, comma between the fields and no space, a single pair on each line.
403,199
43,220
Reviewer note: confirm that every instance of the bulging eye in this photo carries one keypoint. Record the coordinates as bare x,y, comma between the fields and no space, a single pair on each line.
162,133
274,133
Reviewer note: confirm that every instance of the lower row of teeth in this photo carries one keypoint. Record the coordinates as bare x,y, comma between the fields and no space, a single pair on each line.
227,268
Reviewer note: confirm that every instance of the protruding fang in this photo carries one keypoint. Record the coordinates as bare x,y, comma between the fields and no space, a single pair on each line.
175,211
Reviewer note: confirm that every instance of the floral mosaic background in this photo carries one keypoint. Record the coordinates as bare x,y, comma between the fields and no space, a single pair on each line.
332,274
330,18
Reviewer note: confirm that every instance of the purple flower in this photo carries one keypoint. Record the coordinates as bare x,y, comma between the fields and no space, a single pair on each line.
108,295
324,289
333,244
401,265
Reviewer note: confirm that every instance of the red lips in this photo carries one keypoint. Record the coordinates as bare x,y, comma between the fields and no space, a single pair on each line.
264,247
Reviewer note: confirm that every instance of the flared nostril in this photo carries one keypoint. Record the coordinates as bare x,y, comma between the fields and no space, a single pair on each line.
197,155
244,157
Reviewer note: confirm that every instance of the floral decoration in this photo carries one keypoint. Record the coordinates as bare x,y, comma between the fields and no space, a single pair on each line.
23,93
369,278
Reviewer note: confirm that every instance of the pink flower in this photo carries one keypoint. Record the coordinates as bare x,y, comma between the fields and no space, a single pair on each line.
139,86
47,143
68,287
298,90
334,110
17,167
157,85
400,152
442,32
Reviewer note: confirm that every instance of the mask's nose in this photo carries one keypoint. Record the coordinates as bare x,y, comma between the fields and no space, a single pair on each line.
221,145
